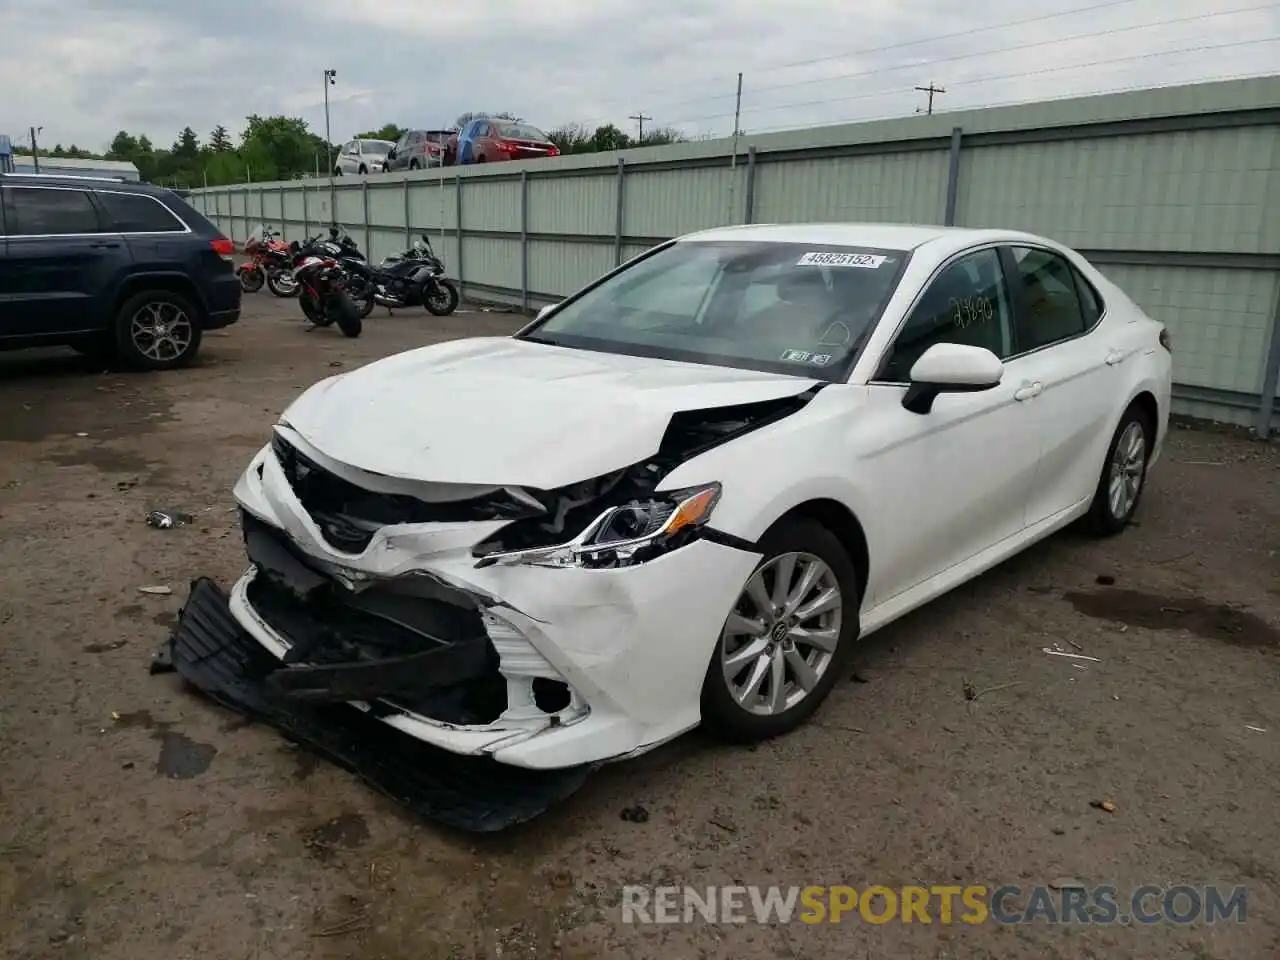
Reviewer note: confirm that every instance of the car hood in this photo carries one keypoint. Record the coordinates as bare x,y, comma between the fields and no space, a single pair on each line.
499,411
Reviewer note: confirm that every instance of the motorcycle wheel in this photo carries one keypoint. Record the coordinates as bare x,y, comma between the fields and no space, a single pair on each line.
311,310
282,284
443,300
350,321
361,291
251,278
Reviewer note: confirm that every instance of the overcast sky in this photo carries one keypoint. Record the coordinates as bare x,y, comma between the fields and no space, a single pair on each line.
83,69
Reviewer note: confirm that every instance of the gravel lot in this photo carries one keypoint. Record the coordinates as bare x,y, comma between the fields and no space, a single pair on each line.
138,822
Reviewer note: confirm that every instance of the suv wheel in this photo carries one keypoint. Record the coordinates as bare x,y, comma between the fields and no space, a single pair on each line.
413,164
157,330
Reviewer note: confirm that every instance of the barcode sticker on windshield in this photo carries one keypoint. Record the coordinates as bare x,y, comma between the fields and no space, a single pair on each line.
868,261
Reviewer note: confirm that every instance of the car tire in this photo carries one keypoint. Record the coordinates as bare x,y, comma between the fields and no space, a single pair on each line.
157,330
739,700
413,164
337,171
1124,475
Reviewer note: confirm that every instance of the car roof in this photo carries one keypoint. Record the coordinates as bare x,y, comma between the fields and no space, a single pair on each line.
86,183
884,236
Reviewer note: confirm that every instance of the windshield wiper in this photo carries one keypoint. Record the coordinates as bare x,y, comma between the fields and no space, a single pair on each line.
549,341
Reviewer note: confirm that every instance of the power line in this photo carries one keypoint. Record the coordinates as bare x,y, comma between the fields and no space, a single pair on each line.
1003,76
957,58
972,31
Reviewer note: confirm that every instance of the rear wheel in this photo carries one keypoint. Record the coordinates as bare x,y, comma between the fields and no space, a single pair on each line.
788,638
157,330
311,310
363,171
1124,475
413,164
347,314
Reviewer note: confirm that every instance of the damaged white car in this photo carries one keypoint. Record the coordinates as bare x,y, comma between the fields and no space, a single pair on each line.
683,494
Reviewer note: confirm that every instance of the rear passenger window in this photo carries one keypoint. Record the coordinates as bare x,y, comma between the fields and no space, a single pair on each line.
136,213
1051,309
42,211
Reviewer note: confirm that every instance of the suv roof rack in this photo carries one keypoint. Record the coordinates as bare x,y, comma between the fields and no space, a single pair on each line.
68,176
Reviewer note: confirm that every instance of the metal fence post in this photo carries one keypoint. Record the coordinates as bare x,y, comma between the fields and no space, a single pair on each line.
457,227
283,231
524,240
953,177
749,202
306,213
408,242
618,217
368,233
1271,374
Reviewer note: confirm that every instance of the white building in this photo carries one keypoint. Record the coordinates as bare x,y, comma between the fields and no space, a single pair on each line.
117,169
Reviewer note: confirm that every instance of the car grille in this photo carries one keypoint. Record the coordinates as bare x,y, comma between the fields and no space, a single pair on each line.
348,515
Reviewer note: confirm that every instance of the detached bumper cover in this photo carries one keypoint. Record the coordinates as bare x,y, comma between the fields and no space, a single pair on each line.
214,653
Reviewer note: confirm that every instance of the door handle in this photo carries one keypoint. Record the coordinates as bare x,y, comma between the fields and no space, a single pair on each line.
105,245
1029,390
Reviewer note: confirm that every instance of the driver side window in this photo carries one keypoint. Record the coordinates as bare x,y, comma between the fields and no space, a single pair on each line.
968,302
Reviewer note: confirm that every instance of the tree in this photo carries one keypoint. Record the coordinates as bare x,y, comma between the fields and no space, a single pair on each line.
187,146
390,131
220,140
123,146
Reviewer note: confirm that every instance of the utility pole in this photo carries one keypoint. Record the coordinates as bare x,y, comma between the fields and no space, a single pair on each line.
35,148
733,158
639,118
330,79
931,90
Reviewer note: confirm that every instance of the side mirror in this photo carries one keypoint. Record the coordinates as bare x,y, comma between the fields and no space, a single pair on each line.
950,368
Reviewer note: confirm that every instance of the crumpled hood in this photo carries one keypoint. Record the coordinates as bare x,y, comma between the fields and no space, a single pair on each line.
499,411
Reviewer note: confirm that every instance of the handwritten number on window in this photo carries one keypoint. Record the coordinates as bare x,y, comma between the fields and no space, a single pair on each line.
970,311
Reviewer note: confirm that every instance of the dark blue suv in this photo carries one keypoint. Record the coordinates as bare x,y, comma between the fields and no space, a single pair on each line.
122,271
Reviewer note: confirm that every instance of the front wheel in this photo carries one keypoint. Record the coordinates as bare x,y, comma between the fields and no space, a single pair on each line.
157,330
1124,475
442,300
282,284
788,638
251,278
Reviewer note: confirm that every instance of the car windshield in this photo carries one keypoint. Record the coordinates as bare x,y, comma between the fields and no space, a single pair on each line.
377,147
520,131
797,308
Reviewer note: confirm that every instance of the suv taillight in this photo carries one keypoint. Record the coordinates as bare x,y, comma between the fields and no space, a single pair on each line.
223,247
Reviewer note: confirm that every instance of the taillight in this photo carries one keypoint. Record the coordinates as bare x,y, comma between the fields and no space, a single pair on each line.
553,151
223,247
507,147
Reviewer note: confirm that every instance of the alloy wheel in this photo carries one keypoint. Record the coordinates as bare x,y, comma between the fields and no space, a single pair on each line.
782,634
1128,464
161,331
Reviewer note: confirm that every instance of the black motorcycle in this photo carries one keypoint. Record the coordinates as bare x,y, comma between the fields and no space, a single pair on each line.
415,278
322,286
362,284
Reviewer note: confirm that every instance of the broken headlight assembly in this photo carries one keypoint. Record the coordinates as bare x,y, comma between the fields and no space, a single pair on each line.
625,535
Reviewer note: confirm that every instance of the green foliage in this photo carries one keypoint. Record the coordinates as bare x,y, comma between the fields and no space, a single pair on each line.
390,131
220,140
575,138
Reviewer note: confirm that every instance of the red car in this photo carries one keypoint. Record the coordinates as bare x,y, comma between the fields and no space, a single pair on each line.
491,141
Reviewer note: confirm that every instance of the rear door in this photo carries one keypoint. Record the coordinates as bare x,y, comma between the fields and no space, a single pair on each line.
62,262
1062,343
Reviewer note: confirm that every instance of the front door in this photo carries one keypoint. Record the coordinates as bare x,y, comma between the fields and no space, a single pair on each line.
61,264
950,483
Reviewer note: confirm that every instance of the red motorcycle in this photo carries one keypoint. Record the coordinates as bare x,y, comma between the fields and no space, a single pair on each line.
269,263
322,282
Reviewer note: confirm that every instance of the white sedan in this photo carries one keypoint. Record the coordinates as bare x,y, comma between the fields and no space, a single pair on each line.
684,494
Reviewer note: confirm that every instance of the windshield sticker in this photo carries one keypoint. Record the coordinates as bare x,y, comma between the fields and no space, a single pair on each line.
804,356
867,261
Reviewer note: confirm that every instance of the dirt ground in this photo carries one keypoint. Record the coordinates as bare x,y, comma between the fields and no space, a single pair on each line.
138,822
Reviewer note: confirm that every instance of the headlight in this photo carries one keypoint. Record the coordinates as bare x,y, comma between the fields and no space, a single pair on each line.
626,535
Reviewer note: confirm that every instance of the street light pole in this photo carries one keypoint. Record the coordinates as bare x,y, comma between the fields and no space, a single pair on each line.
35,148
330,79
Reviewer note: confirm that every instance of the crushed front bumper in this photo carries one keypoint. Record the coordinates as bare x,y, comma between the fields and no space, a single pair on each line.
627,647
211,651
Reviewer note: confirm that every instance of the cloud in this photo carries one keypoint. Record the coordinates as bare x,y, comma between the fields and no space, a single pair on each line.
87,68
